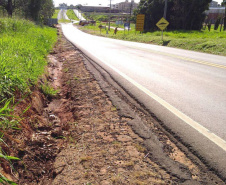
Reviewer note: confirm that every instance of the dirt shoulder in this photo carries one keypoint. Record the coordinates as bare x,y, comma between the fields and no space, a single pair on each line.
92,132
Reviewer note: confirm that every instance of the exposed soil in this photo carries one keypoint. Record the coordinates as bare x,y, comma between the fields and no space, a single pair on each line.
90,133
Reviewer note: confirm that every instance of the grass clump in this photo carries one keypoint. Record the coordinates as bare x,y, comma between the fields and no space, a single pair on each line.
48,91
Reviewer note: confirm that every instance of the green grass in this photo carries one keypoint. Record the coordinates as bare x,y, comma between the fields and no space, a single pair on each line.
64,21
48,91
204,41
71,15
55,15
23,50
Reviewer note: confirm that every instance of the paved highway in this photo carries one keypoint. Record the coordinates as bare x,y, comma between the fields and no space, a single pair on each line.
62,14
186,90
79,15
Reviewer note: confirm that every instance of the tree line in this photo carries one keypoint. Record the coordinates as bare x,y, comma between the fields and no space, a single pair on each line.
182,14
37,10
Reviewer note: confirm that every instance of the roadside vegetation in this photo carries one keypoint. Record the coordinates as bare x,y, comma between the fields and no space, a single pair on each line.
23,49
39,10
206,41
55,15
71,15
63,20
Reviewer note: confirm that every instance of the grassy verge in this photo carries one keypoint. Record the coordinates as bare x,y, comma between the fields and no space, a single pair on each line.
71,15
204,41
23,50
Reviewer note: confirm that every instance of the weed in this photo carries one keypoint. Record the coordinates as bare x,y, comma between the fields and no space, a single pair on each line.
72,140
7,120
139,148
6,181
76,78
113,109
3,179
48,91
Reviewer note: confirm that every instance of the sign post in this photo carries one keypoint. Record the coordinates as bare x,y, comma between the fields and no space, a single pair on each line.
140,22
162,24
126,26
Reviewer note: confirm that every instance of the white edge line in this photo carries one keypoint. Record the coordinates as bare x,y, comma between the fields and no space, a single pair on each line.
204,131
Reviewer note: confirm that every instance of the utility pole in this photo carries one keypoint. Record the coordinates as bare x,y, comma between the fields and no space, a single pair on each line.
131,8
165,9
224,3
109,26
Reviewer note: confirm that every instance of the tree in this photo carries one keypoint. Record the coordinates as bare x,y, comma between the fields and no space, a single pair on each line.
8,5
182,14
39,10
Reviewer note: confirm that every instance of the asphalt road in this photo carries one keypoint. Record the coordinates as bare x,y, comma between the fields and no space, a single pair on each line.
186,90
79,15
62,14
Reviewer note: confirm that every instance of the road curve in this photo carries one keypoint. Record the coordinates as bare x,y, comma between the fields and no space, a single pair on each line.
79,15
186,90
62,14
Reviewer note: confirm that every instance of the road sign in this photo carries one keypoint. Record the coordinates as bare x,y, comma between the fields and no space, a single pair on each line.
162,24
140,22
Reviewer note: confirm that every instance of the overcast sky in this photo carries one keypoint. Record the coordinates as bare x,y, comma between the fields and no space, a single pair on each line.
95,2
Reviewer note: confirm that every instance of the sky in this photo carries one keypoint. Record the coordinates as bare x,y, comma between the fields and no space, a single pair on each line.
89,2
96,2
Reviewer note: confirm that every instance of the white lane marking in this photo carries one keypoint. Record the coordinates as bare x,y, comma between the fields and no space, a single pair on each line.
204,131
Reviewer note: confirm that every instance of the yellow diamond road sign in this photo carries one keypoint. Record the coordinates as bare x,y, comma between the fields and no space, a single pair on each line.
162,24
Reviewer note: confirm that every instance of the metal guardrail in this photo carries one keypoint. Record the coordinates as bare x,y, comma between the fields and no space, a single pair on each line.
52,22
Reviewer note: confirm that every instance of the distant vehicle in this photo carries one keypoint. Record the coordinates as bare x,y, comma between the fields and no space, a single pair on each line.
85,22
